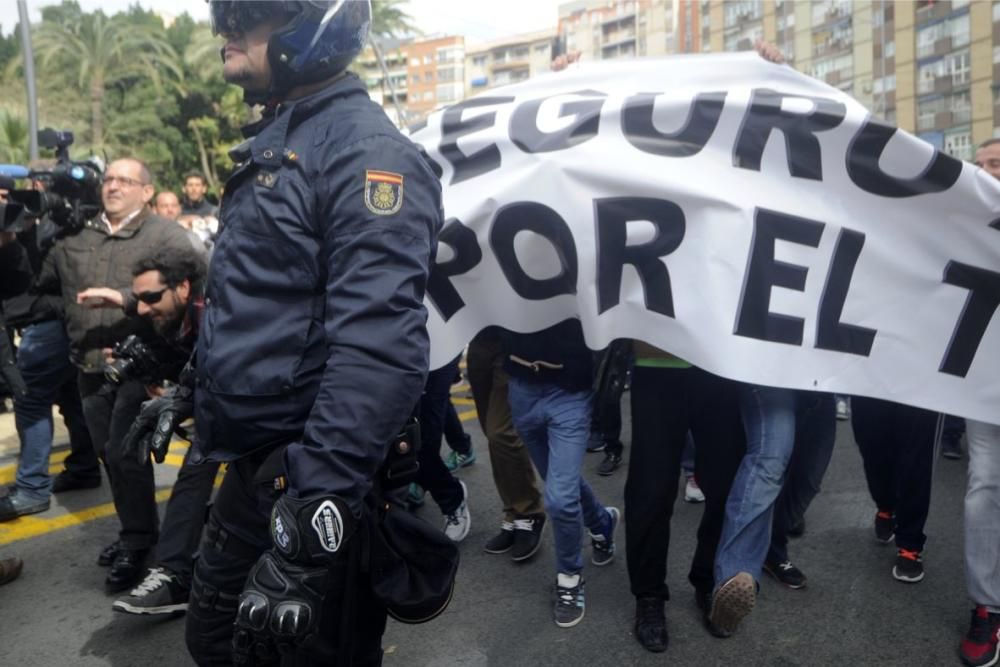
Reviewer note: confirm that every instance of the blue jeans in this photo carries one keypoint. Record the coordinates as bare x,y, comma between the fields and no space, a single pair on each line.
769,419
43,359
554,424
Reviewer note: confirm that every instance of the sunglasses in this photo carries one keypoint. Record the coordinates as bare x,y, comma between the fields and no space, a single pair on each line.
149,298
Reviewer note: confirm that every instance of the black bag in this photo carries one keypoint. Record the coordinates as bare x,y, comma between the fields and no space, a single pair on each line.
412,564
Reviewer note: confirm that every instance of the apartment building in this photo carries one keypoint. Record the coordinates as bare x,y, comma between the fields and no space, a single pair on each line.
424,74
508,60
925,65
607,29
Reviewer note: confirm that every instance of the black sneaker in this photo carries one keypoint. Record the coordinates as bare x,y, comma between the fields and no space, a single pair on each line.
651,624
609,464
786,573
67,481
951,449
527,537
603,543
159,593
732,601
569,606
909,567
109,553
885,526
703,598
502,541
16,504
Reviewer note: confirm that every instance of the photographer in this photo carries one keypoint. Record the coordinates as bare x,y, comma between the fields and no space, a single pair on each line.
50,379
15,277
167,290
102,253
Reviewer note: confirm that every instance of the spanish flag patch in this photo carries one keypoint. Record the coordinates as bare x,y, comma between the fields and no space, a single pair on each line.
383,192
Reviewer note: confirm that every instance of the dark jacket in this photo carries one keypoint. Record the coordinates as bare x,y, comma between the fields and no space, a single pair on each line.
204,208
15,278
31,308
557,355
94,258
315,328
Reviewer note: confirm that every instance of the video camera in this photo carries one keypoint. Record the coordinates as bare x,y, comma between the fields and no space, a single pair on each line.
72,193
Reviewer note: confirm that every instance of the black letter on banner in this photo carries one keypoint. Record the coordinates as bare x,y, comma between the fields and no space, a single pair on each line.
863,167
524,130
754,320
982,303
454,128
637,121
442,293
612,217
801,145
538,218
831,333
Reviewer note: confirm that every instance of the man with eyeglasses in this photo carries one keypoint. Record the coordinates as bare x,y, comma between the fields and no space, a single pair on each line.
103,253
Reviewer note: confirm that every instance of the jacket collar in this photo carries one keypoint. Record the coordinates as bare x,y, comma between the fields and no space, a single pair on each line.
127,230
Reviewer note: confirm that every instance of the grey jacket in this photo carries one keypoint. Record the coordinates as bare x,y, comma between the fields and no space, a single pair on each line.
95,258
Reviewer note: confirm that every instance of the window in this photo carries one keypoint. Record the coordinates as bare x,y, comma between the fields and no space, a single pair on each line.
884,84
428,77
958,144
996,11
416,78
415,62
479,61
447,93
541,48
956,29
889,50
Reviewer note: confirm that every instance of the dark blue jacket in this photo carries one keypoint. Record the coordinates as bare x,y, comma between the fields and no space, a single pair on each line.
314,330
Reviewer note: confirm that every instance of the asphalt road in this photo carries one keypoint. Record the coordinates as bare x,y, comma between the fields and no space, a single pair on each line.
851,613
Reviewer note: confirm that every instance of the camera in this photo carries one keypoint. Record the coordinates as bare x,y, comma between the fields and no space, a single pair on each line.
134,360
72,193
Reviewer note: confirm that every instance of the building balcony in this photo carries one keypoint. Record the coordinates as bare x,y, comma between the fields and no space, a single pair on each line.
619,18
618,38
510,64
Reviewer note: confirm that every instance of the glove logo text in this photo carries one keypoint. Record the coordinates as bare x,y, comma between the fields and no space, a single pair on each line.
329,526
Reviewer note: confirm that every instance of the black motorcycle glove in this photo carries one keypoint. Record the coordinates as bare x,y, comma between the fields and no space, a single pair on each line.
154,428
282,602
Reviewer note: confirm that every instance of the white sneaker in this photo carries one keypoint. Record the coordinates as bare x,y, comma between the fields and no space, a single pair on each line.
692,492
458,523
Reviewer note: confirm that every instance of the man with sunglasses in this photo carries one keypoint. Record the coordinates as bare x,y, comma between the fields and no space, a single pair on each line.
103,253
314,348
167,290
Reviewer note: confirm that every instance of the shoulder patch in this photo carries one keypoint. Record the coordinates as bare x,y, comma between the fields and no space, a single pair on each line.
383,192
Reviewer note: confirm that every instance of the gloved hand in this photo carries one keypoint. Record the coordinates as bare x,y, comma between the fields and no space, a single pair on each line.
282,602
153,429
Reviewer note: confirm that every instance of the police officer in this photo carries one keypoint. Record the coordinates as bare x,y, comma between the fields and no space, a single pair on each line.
313,350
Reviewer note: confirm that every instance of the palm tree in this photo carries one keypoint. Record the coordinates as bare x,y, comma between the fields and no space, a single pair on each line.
13,138
101,53
389,19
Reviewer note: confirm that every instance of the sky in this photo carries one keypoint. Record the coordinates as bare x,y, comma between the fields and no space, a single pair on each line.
477,20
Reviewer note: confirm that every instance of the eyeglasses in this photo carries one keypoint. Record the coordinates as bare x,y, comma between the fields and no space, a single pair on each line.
122,181
149,298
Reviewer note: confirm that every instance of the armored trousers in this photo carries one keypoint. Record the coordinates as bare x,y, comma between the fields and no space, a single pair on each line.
238,532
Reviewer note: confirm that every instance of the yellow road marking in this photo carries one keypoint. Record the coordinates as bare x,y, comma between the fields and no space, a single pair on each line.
468,416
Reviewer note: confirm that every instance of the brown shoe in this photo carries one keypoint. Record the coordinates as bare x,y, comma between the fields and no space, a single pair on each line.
10,569
732,601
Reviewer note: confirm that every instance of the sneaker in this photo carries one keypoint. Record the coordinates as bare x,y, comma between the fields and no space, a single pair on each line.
17,503
786,573
502,541
570,606
67,481
609,464
981,646
651,624
415,495
843,409
454,460
527,537
909,567
603,544
108,554
951,449
692,492
885,525
458,523
703,598
159,593
595,442
732,601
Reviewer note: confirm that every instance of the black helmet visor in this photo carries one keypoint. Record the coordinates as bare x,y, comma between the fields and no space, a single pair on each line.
242,16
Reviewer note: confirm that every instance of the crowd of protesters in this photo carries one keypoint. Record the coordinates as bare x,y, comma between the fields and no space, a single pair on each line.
755,456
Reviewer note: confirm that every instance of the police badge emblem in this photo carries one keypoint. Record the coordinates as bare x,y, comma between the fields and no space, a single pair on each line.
383,192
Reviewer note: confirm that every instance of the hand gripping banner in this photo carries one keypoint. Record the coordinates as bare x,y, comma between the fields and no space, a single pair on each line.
745,217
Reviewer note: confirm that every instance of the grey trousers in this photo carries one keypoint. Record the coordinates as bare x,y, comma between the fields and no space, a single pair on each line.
982,515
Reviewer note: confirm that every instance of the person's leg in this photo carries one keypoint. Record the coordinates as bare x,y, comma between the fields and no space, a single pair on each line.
659,428
815,434
184,518
951,437
871,419
982,515
454,434
769,419
84,463
513,474
43,360
433,475
915,436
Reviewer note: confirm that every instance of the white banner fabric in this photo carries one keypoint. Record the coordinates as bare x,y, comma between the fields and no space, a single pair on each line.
745,217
